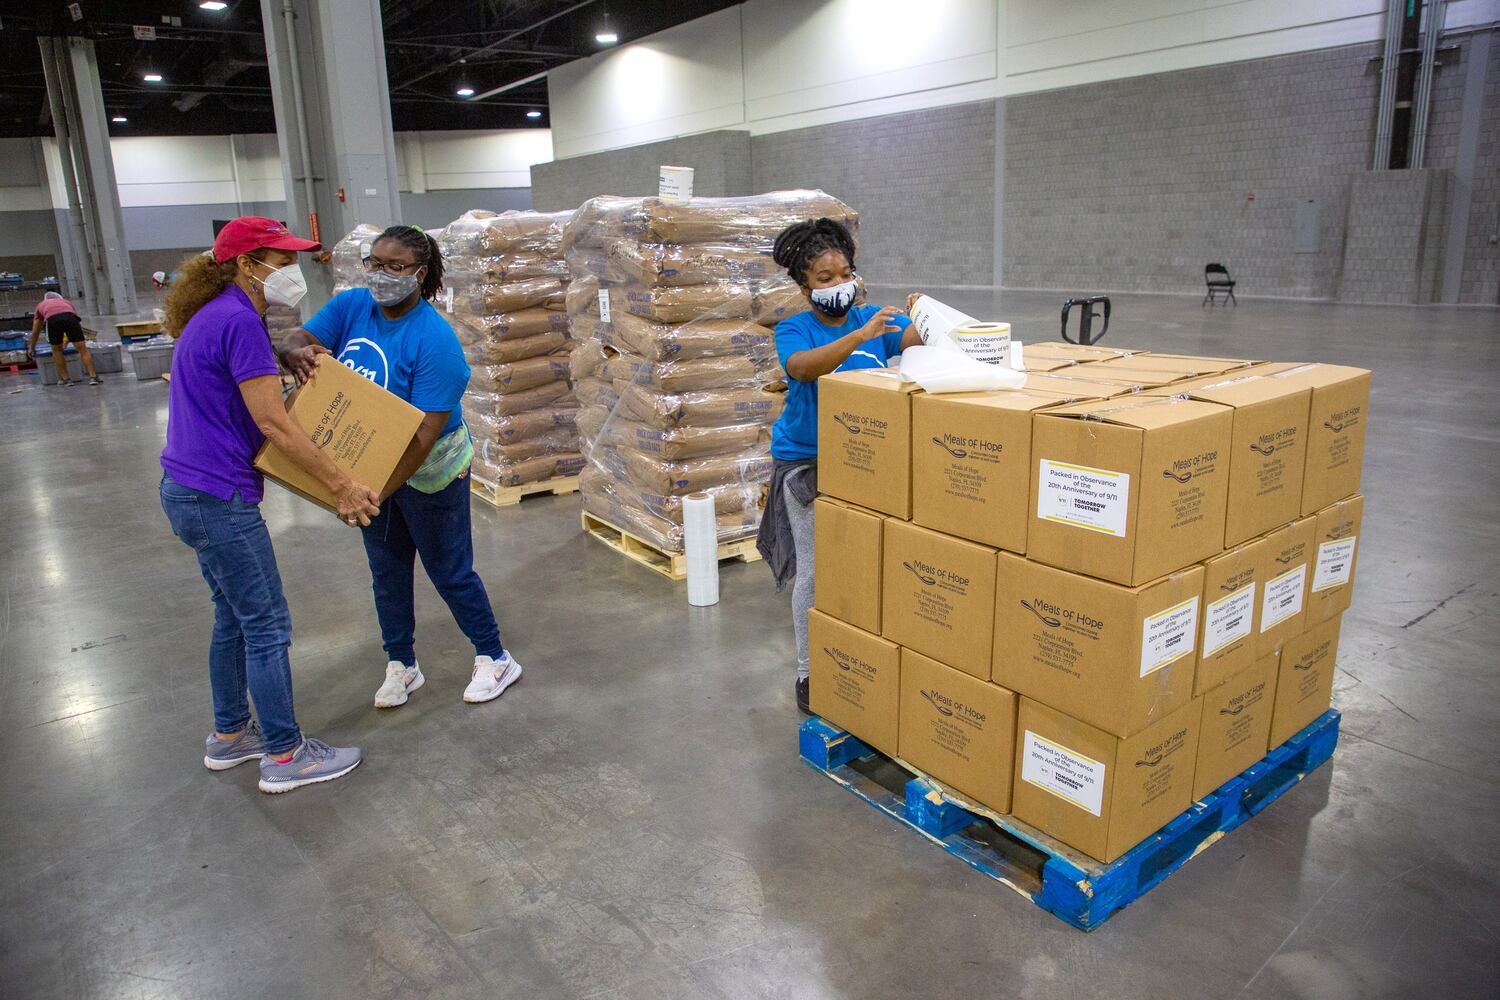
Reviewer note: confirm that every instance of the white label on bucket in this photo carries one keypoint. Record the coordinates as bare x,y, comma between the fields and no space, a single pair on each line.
1095,499
1229,619
1070,776
1167,636
448,298
604,305
987,342
675,183
1283,597
1335,563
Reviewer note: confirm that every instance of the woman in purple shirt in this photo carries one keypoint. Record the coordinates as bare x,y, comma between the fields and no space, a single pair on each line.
224,403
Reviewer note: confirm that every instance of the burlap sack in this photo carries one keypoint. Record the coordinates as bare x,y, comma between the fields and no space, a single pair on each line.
660,532
734,221
599,426
552,395
702,408
582,296
596,393
528,470
520,266
511,296
518,232
702,338
727,499
499,352
558,441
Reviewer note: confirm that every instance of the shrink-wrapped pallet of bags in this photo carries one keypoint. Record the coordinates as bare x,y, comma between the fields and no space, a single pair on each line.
672,308
505,294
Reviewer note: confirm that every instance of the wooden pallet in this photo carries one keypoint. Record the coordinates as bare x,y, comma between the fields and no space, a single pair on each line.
509,496
672,565
1062,881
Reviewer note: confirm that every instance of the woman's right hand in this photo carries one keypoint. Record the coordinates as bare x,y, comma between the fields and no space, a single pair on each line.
880,324
357,503
303,361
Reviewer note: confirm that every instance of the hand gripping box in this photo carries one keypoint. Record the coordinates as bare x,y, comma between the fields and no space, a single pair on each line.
1336,423
938,596
864,439
1336,537
363,428
1097,792
957,728
1117,658
1304,685
1129,489
854,680
971,464
1235,725
1232,585
1283,600
847,543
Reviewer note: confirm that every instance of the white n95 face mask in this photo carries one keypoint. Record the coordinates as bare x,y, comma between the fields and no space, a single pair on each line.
285,286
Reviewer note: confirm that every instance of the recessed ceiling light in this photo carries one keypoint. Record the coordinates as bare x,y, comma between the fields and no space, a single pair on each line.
120,119
533,114
465,91
213,5
606,38
152,78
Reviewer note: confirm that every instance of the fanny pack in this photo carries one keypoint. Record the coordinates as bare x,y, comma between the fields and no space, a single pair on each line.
450,456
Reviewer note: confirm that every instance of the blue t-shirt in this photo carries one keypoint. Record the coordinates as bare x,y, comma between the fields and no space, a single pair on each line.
795,436
417,357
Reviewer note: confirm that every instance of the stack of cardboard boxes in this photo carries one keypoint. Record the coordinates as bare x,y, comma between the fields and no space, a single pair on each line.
1088,602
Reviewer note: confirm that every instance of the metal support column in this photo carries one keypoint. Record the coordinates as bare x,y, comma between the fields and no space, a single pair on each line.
1386,110
1432,27
333,120
98,176
77,241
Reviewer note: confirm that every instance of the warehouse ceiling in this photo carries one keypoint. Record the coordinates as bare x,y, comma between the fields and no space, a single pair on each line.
213,63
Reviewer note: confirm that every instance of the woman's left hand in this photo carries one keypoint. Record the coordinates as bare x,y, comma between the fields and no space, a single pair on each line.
911,300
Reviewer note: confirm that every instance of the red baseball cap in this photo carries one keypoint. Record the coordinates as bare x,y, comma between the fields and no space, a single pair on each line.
252,232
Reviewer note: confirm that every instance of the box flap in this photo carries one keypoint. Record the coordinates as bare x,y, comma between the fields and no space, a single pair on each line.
874,378
1144,412
1238,388
1000,399
1314,373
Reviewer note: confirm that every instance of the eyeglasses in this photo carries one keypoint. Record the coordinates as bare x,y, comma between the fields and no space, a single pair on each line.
373,264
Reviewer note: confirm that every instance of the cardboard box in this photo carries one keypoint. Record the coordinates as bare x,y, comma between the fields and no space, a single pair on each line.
1127,380
1185,365
1044,362
854,680
1283,599
971,464
864,439
1129,489
959,729
1336,428
1064,386
1082,353
1304,684
1235,725
363,428
1118,658
938,596
1097,792
1268,450
1227,638
847,542
1333,562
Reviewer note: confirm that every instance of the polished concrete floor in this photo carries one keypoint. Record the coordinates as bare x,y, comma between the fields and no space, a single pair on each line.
632,820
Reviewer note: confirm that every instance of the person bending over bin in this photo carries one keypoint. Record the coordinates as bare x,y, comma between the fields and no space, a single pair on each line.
61,321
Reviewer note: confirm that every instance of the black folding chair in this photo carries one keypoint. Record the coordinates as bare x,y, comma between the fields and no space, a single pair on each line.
1220,285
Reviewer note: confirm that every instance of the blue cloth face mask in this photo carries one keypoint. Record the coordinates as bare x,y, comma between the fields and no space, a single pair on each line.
390,289
837,300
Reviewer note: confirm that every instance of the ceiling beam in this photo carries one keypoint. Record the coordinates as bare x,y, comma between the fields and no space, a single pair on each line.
498,43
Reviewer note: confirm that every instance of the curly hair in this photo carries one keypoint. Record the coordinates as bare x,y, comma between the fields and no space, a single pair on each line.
427,251
803,242
199,280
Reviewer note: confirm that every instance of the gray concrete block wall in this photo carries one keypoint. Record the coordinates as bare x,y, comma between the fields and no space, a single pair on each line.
720,162
922,181
1394,236
1135,185
1481,276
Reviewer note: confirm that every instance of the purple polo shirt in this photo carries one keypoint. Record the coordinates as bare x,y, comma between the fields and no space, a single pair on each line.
211,437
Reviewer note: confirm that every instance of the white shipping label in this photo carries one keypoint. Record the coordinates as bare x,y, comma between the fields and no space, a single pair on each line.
1168,636
1071,776
448,298
604,305
1228,620
1095,499
1283,597
1335,562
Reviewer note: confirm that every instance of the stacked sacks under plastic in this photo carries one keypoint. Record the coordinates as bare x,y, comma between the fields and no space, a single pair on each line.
506,282
349,256
674,365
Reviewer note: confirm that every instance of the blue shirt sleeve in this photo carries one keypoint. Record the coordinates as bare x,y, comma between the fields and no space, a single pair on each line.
439,377
329,324
791,337
893,339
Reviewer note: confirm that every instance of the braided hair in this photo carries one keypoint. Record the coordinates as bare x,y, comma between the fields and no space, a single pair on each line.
427,251
801,243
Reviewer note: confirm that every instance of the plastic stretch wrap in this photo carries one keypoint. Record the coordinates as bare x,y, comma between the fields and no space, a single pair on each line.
673,371
558,441
486,425
528,470
509,325
492,298
349,256
481,233
518,376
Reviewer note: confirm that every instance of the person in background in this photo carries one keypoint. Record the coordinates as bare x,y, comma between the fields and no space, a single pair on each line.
833,335
60,319
224,402
389,332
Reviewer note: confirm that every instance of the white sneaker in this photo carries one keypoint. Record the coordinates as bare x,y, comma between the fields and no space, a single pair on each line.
491,678
400,681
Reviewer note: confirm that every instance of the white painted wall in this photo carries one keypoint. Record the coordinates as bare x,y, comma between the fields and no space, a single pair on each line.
23,186
455,161
773,65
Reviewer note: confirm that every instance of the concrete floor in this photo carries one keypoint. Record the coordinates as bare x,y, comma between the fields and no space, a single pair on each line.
632,819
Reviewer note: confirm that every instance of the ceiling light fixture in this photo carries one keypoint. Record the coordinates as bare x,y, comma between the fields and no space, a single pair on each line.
533,114
213,5
606,38
119,119
152,78
465,91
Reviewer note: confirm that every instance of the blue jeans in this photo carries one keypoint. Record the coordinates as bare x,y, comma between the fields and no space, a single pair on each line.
252,626
434,526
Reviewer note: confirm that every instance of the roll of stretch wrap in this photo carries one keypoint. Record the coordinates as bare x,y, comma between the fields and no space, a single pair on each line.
701,544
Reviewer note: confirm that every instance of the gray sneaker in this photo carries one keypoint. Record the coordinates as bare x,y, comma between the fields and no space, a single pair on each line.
313,762
221,756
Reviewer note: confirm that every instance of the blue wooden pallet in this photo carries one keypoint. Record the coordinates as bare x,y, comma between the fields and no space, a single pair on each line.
1064,882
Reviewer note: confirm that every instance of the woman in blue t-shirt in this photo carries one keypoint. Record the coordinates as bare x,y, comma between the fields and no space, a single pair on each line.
834,335
389,332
